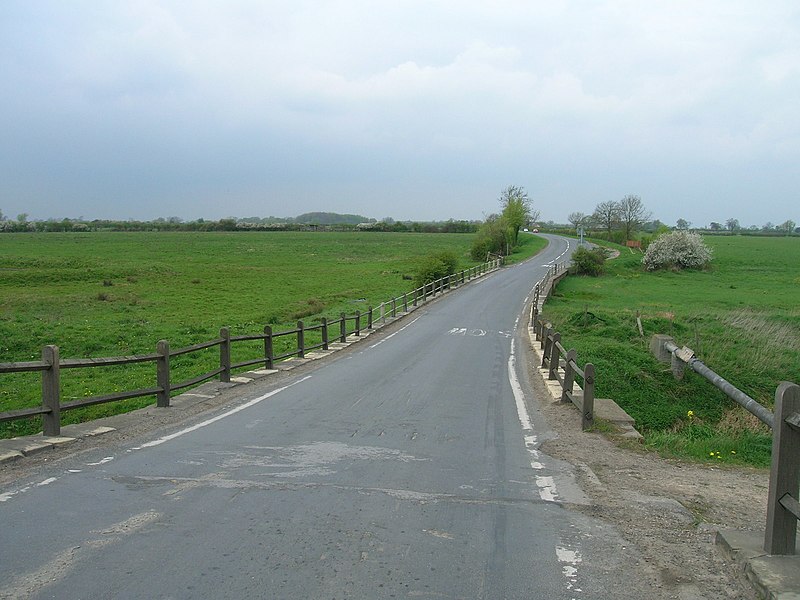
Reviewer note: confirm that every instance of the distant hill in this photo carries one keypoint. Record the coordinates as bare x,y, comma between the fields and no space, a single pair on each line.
329,218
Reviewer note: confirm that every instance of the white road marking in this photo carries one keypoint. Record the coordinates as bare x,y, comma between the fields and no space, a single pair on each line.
224,415
390,336
47,481
100,462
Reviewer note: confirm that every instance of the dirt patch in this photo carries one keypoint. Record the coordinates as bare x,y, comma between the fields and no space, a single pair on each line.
668,510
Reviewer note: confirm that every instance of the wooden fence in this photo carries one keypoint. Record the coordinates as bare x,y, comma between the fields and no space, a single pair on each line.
561,364
330,331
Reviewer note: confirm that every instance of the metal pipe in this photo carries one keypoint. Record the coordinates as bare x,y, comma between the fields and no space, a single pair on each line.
734,393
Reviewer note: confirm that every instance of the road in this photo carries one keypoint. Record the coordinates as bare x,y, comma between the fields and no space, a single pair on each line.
406,468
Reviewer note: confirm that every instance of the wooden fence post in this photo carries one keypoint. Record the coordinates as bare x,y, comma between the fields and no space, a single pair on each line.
358,323
555,356
301,340
225,355
587,412
369,318
162,374
405,302
269,354
394,307
546,341
383,313
324,333
569,375
781,531
51,391
342,328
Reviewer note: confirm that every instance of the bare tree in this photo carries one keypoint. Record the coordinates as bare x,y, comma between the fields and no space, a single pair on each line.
606,215
632,214
787,227
577,219
732,225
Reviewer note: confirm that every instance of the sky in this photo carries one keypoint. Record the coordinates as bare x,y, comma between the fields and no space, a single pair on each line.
415,110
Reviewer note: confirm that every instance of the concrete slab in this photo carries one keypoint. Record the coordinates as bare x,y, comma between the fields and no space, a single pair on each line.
84,430
9,455
608,410
291,363
241,379
773,577
33,444
263,372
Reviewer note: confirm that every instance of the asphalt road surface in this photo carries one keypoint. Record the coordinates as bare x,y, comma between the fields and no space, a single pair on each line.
407,468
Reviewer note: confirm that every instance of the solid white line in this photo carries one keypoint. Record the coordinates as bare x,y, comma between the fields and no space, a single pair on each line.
252,402
396,332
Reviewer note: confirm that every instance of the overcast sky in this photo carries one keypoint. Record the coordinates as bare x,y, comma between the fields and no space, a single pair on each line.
410,109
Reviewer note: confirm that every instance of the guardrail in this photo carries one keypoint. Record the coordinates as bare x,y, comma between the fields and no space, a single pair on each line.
783,508
51,364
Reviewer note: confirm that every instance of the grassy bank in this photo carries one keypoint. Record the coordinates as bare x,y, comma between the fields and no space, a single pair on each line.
110,294
740,317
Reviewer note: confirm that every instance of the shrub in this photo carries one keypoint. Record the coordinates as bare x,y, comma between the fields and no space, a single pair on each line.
587,261
677,250
435,266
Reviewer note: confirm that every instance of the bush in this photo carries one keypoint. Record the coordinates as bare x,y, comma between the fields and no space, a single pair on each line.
587,261
677,250
435,266
492,236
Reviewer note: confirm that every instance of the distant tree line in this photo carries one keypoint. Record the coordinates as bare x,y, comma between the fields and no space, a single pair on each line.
317,221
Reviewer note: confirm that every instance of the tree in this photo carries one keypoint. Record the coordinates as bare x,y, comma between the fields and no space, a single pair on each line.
606,214
787,227
632,214
577,219
682,224
732,225
768,226
714,226
516,209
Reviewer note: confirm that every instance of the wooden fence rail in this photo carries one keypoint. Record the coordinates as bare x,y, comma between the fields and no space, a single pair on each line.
338,329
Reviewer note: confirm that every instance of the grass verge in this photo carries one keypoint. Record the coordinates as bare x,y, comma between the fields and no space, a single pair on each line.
740,317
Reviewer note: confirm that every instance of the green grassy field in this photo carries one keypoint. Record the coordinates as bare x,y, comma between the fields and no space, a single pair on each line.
741,318
111,294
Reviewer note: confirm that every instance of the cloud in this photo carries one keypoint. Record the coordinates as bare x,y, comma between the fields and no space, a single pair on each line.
160,102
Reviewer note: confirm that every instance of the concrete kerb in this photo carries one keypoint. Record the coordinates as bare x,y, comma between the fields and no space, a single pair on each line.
17,448
773,577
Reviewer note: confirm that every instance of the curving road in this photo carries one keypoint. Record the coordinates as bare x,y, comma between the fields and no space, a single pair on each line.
407,468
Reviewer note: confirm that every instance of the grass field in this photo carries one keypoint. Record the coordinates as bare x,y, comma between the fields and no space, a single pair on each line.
111,294
741,318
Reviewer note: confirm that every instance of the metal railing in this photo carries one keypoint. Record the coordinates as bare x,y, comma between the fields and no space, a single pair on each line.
339,329
783,508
